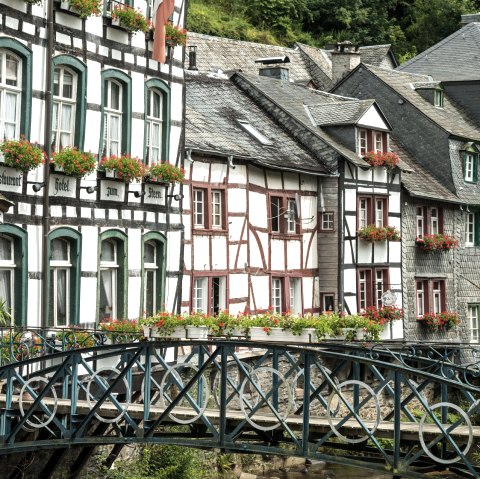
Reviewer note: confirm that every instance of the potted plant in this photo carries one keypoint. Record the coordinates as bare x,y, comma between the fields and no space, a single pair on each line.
123,167
372,233
438,322
164,172
175,35
164,325
436,242
73,162
198,325
389,159
21,154
83,8
383,314
121,330
130,19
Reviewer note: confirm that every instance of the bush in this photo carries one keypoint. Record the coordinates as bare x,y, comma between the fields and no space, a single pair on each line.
21,154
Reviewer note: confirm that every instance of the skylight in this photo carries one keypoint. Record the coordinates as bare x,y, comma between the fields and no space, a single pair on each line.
255,133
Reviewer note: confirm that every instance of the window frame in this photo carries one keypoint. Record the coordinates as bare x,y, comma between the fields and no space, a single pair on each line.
25,54
424,214
470,175
474,338
80,69
56,267
126,112
122,271
207,291
430,292
74,239
322,221
367,140
161,268
277,223
368,286
323,301
207,223
438,98
165,92
371,210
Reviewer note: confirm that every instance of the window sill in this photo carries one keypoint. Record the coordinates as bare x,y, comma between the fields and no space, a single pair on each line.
210,232
286,236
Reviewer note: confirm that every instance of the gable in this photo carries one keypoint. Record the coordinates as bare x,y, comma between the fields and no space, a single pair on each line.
373,119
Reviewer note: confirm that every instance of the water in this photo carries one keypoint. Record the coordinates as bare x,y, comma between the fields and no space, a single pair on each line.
331,471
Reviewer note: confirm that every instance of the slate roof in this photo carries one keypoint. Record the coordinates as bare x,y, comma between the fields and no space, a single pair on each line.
306,63
451,117
455,58
339,112
215,105
416,179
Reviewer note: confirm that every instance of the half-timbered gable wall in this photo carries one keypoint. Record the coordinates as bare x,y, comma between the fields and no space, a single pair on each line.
260,256
105,228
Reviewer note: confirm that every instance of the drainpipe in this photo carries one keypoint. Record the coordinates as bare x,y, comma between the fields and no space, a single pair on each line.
341,236
47,144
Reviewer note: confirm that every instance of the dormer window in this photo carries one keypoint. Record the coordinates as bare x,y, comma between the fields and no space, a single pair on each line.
470,162
369,140
438,98
362,142
378,142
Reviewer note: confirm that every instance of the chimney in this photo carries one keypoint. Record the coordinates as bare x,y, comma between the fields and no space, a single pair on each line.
470,18
272,69
345,57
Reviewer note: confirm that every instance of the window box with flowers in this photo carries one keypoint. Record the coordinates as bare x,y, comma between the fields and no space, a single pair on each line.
374,233
436,242
383,314
439,322
164,173
130,19
121,330
124,168
82,8
73,162
175,35
389,159
21,155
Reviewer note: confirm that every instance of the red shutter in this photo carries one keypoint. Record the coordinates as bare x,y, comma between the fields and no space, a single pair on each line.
426,221
443,299
440,220
385,141
369,140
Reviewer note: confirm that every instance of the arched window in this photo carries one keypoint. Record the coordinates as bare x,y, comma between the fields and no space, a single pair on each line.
157,121
64,99
153,277
69,102
13,271
112,276
116,113
64,277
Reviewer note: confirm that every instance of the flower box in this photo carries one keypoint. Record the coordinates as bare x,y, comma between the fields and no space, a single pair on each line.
124,168
129,18
372,233
436,242
175,35
157,332
388,159
73,162
164,173
21,154
197,332
439,322
235,333
82,8
258,333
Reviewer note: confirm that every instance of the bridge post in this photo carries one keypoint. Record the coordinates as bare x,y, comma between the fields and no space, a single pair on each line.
306,403
397,414
223,396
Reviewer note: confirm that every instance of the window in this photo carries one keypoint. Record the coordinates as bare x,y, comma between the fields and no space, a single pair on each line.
372,210
327,223
60,270
208,208
276,302
110,4
372,283
472,316
438,98
154,127
116,113
64,277
378,142
15,88
112,276
328,302
362,142
430,296
283,212
470,230
254,133
64,99
429,220
295,296
154,265
7,272
209,294
470,167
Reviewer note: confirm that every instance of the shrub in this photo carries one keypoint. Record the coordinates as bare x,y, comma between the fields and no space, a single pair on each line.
165,172
175,35
74,162
21,154
131,19
126,167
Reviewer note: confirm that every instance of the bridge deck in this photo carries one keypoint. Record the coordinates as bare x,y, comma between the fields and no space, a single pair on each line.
317,425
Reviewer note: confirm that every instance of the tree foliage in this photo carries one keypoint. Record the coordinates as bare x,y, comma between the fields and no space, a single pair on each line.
411,26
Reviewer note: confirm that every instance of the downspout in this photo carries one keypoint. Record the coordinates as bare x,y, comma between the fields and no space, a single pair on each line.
48,152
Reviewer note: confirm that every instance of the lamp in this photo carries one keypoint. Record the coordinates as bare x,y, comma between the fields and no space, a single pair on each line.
137,194
230,162
90,189
36,186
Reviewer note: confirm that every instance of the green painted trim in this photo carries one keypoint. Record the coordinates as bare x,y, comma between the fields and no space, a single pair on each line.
20,242
126,82
477,229
75,239
81,104
122,284
472,152
161,264
164,89
25,54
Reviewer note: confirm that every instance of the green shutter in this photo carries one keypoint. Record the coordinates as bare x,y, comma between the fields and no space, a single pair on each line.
475,168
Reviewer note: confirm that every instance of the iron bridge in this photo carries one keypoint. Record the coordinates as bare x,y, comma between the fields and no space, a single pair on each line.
405,409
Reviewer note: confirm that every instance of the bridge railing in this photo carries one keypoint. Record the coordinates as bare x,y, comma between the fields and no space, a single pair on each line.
398,407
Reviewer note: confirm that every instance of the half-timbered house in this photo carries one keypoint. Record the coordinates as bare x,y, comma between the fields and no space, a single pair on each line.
110,249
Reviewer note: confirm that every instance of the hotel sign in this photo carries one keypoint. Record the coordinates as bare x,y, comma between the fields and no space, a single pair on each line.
61,185
112,190
154,194
11,179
